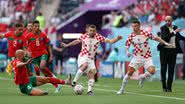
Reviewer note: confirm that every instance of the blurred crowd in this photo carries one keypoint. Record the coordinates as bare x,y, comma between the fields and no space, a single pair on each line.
147,11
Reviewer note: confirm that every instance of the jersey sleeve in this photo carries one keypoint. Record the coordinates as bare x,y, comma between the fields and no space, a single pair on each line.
46,39
128,41
150,35
6,35
82,37
100,38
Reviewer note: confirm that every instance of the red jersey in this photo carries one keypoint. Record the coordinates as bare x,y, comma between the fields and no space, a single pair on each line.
14,43
37,44
21,74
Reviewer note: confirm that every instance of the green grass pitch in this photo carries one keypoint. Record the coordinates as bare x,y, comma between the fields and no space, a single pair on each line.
105,93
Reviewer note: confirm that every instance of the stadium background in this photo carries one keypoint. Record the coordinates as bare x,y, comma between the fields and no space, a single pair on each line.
69,18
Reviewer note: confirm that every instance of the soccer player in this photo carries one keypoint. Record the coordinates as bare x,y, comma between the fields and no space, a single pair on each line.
16,40
27,83
37,45
90,41
142,54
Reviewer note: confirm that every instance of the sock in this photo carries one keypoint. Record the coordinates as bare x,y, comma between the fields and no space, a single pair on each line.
145,75
90,85
125,81
37,71
78,75
48,73
56,81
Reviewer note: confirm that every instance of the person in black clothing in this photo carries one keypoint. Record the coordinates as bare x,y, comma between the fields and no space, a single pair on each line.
57,50
170,34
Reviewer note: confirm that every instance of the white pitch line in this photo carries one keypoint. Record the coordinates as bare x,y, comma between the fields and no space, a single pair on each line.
133,93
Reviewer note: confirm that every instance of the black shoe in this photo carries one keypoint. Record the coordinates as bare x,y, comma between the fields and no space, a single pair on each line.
169,90
90,93
164,90
73,84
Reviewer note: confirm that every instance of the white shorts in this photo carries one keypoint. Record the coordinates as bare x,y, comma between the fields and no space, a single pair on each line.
91,64
136,63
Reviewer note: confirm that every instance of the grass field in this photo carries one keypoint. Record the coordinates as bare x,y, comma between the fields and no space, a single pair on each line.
105,93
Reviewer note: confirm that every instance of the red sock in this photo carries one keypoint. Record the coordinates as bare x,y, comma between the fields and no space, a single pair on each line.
48,73
37,71
56,81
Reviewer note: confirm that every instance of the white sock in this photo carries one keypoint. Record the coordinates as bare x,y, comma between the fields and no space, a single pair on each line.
145,75
78,75
90,85
125,81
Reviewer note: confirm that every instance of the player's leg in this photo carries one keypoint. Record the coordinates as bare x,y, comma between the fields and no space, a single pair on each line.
150,71
38,92
47,72
91,81
43,80
82,64
125,80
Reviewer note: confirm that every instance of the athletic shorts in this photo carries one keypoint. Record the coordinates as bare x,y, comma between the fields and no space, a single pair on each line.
26,89
36,61
91,64
136,63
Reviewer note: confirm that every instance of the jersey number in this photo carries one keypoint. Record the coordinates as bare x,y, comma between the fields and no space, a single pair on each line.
37,42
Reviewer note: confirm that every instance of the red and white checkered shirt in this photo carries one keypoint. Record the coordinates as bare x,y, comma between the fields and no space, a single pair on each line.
140,43
90,45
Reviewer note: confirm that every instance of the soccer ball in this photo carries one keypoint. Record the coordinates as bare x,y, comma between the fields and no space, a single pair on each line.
78,89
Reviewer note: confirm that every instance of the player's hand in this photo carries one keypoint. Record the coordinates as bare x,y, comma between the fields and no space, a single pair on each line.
128,54
170,45
50,58
178,30
60,49
119,37
64,45
29,61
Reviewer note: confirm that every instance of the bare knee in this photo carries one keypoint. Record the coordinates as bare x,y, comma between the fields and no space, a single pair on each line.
84,66
91,74
37,92
131,71
151,70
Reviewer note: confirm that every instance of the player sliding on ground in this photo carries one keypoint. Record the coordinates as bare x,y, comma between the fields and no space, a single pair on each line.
142,54
27,83
90,41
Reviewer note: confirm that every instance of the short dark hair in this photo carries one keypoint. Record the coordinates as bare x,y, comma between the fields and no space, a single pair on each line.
92,26
35,22
18,25
136,21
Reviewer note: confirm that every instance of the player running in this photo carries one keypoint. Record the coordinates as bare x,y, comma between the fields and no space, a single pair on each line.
26,83
142,54
37,45
90,41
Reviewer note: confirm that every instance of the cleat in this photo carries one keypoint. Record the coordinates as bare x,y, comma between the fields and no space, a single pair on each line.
120,92
74,84
58,89
141,81
90,93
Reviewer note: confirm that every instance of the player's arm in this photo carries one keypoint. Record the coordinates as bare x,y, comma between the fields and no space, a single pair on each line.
158,39
114,40
50,53
21,64
74,42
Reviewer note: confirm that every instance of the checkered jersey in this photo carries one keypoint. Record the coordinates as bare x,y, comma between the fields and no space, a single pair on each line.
90,45
140,43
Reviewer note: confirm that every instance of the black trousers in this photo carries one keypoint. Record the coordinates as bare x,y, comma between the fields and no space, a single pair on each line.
183,70
168,61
